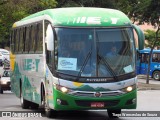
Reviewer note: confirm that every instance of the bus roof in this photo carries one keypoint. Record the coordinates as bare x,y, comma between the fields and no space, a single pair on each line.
81,16
148,51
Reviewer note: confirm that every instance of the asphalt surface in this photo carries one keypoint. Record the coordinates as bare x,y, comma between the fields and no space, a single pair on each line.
153,84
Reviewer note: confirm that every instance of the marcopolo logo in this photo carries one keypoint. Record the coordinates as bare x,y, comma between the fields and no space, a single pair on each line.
65,63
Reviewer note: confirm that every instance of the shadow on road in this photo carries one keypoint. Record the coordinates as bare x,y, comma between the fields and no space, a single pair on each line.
79,115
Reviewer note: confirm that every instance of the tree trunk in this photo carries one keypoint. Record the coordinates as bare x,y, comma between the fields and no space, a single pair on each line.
156,39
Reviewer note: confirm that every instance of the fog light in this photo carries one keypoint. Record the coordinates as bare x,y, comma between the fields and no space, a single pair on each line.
134,101
59,101
62,102
129,89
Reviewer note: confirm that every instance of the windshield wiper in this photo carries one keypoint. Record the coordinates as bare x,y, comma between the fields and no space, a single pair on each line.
84,64
108,67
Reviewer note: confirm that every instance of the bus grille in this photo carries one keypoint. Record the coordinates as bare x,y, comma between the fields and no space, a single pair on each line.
92,94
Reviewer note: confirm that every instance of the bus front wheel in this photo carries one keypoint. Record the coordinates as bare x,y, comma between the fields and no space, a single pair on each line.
24,103
156,75
1,90
48,111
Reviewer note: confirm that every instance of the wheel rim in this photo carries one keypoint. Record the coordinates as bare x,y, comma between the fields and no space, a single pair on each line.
21,99
156,76
46,106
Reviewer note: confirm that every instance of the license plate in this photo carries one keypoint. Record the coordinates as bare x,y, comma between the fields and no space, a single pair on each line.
97,104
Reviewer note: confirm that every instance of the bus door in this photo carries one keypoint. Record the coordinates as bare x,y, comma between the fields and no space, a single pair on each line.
143,63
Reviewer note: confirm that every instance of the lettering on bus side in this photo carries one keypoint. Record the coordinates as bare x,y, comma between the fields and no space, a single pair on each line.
94,20
31,64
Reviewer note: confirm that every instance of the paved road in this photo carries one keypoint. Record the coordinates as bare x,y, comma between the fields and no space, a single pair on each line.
148,100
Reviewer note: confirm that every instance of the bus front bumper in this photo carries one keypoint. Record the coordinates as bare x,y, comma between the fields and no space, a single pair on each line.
64,101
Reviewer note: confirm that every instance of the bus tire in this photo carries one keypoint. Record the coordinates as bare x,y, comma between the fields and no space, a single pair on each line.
1,90
48,111
34,106
112,112
25,104
156,75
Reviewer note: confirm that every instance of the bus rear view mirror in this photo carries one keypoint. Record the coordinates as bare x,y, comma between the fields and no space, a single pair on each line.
140,35
49,38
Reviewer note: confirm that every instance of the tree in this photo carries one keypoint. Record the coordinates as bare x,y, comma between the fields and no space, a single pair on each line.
86,3
14,10
152,15
9,12
150,36
143,11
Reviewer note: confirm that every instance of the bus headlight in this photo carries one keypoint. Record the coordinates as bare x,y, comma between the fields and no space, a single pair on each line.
129,88
3,82
64,89
61,88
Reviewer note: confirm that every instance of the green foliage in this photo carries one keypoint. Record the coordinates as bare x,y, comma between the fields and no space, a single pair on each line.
150,37
86,3
14,10
133,8
141,10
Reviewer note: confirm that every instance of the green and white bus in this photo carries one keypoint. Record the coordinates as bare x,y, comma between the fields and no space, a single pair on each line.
59,60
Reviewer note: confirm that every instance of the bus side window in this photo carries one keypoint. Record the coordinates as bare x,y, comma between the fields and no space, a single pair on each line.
156,57
39,38
20,41
24,39
33,38
17,41
12,40
144,58
27,40
30,38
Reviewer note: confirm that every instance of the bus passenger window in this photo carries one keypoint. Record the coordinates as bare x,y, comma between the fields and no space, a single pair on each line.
144,58
21,41
27,40
39,38
156,57
16,40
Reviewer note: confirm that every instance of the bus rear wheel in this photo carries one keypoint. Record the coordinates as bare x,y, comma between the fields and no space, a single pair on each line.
156,75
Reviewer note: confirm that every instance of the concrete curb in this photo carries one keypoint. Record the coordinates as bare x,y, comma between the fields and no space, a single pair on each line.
144,86
153,84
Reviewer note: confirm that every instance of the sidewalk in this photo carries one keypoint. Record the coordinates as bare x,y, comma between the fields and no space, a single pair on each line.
153,84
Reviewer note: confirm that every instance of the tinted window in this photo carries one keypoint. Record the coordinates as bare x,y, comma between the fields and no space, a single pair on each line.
39,40
27,40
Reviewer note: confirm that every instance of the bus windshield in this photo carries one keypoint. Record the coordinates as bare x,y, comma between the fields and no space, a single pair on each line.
95,52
